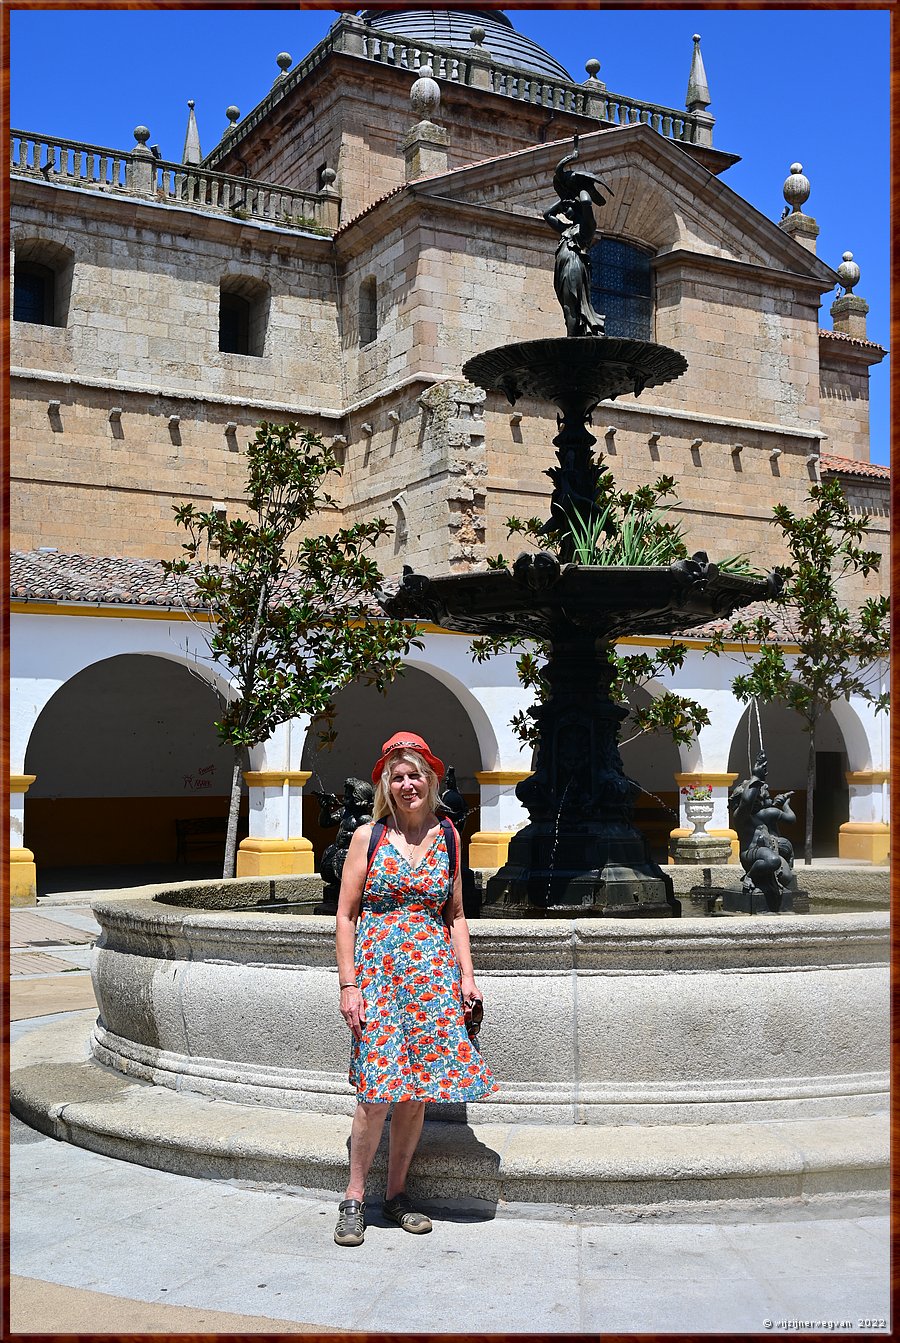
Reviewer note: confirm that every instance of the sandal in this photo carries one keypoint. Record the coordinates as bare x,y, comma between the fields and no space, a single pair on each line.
351,1222
400,1210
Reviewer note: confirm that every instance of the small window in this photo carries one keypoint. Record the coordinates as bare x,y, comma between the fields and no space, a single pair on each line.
33,293
234,324
243,316
622,288
43,271
368,310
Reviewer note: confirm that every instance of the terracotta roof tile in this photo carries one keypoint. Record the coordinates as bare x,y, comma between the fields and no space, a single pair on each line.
39,575
98,580
852,340
747,614
847,466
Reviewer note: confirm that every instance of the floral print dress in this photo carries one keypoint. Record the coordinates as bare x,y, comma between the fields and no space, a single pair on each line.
414,1045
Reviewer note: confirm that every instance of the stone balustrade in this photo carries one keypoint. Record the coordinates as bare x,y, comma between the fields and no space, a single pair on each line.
477,68
589,100
139,173
78,164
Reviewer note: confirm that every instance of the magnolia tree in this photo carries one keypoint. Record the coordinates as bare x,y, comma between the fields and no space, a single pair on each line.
814,651
291,617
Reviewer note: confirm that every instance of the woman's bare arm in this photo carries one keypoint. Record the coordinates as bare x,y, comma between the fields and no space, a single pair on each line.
459,936
349,903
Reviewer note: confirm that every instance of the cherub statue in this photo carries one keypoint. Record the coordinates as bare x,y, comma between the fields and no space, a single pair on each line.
572,217
347,813
766,856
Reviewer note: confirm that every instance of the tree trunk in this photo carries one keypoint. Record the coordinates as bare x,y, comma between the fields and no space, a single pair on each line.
233,808
810,787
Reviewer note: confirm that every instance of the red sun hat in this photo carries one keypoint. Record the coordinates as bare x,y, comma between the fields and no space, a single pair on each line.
408,741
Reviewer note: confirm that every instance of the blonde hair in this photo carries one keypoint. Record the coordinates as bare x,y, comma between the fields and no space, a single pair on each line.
384,803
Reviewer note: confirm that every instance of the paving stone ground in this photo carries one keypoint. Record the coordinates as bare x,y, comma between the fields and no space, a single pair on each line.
28,928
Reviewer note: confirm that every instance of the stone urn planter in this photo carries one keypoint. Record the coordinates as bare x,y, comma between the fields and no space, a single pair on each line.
699,812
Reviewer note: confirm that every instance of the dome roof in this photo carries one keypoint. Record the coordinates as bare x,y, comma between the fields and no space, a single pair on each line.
451,28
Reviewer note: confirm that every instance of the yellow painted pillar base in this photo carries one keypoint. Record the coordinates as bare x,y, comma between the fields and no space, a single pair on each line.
275,857
682,833
489,848
22,877
865,841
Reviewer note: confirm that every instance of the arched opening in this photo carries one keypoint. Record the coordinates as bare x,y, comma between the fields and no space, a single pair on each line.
130,775
786,746
243,315
652,760
42,282
34,293
417,702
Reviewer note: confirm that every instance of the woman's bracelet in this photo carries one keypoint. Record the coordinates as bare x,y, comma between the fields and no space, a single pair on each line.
349,986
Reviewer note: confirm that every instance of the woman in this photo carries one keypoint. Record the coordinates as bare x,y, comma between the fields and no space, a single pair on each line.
406,980
572,268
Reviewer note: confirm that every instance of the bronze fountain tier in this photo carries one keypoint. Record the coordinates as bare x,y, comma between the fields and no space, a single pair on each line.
579,853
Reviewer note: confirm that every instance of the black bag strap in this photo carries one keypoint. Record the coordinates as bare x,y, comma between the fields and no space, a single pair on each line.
451,839
379,832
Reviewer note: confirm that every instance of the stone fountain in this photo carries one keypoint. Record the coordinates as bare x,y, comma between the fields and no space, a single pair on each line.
580,852
646,1067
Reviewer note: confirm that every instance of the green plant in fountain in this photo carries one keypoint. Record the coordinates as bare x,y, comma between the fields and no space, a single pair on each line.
616,528
291,617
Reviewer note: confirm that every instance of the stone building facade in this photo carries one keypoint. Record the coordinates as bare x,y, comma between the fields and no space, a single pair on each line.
335,261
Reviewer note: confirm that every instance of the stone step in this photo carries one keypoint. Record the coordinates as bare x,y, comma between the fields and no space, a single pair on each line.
707,1171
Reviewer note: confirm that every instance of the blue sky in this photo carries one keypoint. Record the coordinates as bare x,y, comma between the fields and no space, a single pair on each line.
786,85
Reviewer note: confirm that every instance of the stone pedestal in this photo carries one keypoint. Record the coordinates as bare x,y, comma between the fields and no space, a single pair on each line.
425,150
276,844
848,316
22,870
803,228
501,816
866,836
865,841
702,849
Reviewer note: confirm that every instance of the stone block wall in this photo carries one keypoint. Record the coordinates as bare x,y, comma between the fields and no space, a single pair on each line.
352,115
451,280
142,339
88,485
145,298
844,399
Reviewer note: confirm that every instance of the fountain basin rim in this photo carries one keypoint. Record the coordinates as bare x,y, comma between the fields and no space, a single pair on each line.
574,368
608,601
160,931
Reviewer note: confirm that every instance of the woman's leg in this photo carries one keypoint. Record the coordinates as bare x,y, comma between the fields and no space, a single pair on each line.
406,1129
364,1137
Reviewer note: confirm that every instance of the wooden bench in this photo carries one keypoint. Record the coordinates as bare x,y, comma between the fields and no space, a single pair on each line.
200,832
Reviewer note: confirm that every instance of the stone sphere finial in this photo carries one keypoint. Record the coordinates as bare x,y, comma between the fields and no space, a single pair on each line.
848,273
477,35
592,67
425,94
233,115
141,134
284,60
696,38
191,104
329,177
796,188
